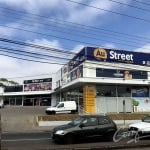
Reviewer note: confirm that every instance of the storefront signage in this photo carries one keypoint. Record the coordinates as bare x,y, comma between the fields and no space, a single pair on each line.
111,55
139,91
38,80
126,74
38,84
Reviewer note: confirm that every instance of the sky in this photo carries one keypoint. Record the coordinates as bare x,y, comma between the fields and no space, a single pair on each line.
64,27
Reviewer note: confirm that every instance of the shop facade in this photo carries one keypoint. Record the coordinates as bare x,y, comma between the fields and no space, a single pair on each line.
36,92
99,80
107,80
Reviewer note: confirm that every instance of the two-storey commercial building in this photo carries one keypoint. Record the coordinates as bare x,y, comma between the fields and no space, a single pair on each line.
100,80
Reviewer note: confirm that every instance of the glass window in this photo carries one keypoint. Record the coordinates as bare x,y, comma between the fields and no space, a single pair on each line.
107,91
60,105
146,119
92,121
124,91
104,121
18,100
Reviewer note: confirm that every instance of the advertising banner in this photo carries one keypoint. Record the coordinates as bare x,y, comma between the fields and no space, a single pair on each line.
140,91
126,74
65,77
38,84
112,55
77,73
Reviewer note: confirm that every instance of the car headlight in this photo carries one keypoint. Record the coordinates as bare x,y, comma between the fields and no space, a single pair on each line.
60,132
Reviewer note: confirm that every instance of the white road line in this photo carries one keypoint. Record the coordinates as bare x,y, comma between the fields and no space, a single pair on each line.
18,140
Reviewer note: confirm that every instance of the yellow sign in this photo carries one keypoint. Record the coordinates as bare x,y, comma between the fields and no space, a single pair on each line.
89,99
100,53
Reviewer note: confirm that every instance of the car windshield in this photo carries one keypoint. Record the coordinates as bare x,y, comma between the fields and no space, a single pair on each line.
77,121
146,119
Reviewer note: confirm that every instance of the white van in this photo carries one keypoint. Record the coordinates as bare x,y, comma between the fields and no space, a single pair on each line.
63,107
1,103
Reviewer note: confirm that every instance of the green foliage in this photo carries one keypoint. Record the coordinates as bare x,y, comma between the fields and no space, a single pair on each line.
135,103
5,82
13,82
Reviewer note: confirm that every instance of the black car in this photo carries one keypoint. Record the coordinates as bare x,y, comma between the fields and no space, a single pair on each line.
86,126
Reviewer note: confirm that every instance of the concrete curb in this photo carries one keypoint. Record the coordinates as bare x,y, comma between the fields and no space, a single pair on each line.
56,123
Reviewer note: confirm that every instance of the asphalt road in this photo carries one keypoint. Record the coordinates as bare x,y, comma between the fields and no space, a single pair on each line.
43,141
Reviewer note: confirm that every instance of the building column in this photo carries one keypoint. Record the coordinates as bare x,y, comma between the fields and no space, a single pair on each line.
89,94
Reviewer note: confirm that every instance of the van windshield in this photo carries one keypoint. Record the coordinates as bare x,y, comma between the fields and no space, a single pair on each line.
55,105
77,121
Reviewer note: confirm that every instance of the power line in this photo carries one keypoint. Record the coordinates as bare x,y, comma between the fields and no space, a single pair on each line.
141,2
136,7
113,12
30,54
63,38
35,46
90,37
49,74
68,39
33,60
77,24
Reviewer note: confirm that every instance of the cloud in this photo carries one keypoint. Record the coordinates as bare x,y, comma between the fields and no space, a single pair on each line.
77,48
5,31
109,45
13,68
87,14
66,10
145,49
31,5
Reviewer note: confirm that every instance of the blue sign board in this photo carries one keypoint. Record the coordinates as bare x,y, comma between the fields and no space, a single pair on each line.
112,55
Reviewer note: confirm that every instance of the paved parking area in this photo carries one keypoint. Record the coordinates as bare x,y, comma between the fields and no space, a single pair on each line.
21,119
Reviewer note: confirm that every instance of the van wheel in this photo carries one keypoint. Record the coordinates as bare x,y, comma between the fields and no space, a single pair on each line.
53,112
73,111
69,139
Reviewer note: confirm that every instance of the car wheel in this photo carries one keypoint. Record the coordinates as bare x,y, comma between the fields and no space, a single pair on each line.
69,139
109,136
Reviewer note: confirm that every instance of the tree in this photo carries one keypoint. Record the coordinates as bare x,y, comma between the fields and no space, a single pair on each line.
135,103
5,82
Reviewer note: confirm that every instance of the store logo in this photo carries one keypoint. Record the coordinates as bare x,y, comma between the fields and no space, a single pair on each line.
100,53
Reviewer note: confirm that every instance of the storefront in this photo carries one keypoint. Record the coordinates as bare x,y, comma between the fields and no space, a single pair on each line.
99,80
109,78
36,92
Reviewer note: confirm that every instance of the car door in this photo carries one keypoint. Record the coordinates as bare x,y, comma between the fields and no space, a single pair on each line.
88,127
104,126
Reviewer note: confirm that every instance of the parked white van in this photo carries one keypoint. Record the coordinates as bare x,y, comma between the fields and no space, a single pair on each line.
1,103
63,107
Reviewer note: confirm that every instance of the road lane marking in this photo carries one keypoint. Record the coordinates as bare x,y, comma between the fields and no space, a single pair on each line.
18,140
